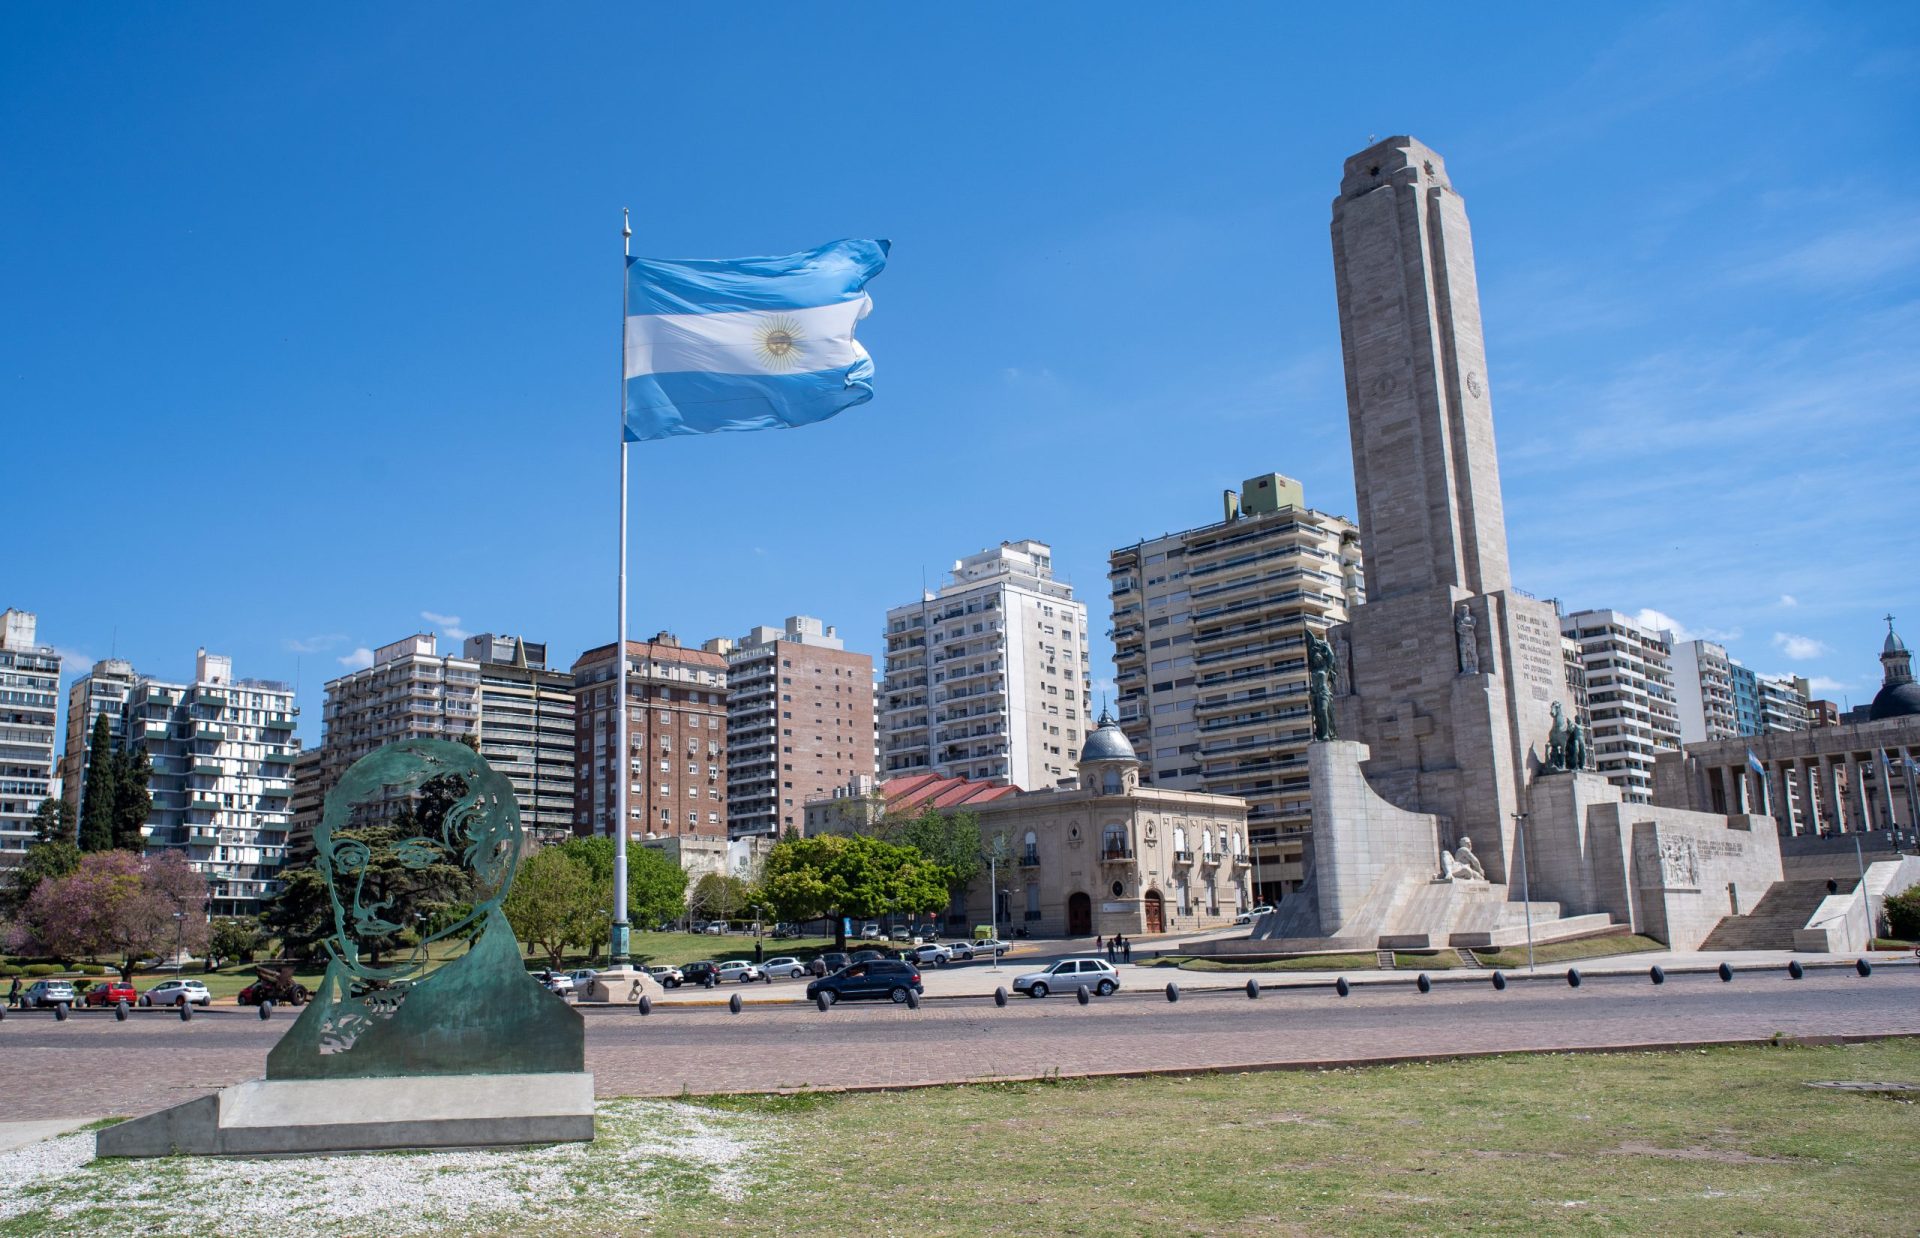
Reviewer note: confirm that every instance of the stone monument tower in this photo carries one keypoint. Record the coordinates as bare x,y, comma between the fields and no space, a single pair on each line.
1450,674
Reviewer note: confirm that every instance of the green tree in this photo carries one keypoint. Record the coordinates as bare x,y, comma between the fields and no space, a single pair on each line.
48,858
656,886
132,801
233,939
410,898
300,914
717,897
850,876
96,801
949,840
53,821
555,903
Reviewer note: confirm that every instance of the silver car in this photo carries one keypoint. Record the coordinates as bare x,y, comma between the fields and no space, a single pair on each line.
45,994
785,965
1068,975
171,992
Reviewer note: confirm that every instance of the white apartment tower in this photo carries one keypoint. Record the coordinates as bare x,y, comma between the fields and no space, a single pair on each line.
1210,657
1630,694
1703,690
988,678
102,691
29,697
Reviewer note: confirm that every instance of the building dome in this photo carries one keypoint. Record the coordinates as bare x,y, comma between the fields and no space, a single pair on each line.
1899,695
1107,743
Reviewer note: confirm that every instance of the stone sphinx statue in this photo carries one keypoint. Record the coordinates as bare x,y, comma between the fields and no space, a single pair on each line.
1463,864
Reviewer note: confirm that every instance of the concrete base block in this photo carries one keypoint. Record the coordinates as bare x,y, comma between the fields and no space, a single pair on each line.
304,1117
622,986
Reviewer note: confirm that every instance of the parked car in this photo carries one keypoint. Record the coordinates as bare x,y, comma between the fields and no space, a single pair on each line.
868,956
738,969
933,953
873,980
1068,975
786,966
1253,913
959,949
170,992
555,982
990,945
715,928
46,994
667,977
583,978
870,932
701,972
111,992
900,934
828,963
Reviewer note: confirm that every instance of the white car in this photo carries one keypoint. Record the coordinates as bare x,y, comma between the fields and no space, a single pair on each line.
990,945
1068,975
933,953
870,932
669,977
583,978
169,993
957,950
737,969
791,968
1252,914
555,981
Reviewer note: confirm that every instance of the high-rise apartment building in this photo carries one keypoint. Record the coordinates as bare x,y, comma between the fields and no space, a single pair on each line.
410,692
1630,693
222,752
1718,698
101,691
308,802
1786,703
1210,662
676,757
526,729
988,678
799,722
29,699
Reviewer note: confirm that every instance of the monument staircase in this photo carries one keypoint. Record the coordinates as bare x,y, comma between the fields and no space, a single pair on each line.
1468,959
1781,911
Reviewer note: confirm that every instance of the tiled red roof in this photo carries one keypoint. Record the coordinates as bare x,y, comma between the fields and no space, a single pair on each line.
917,791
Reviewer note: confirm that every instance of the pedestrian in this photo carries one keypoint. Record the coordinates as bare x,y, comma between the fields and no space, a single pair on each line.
1126,949
1098,942
757,952
13,994
1112,951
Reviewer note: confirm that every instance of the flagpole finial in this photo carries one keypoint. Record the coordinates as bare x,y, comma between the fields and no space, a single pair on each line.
626,223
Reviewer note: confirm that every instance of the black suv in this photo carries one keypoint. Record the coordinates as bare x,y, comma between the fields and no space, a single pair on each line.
705,974
876,979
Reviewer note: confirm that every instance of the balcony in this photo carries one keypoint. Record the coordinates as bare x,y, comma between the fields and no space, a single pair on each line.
1029,859
202,696
280,724
1116,855
1183,857
211,768
1209,859
212,733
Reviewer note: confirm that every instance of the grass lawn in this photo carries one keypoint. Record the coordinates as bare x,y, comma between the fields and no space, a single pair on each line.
1304,962
1569,951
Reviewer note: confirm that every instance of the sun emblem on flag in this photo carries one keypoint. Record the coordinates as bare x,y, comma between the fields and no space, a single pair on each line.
780,343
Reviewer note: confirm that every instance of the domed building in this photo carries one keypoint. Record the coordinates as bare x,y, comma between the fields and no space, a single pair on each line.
1899,696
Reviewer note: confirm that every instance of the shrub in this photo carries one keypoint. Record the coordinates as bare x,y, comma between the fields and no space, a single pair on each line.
93,969
1903,914
8,969
44,969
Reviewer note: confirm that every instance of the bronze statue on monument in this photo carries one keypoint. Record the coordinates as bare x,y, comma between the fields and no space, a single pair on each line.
1323,673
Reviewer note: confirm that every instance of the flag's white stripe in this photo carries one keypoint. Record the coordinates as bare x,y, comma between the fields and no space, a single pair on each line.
737,342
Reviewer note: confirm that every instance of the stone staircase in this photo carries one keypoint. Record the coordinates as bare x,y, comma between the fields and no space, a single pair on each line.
1383,959
1469,960
1782,910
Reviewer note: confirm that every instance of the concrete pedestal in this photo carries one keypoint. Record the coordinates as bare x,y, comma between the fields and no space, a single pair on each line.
279,1117
621,985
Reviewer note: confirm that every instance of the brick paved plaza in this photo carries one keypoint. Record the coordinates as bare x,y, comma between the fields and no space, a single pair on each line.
153,1059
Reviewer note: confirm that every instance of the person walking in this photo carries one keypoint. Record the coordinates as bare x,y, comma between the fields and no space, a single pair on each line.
1126,949
13,994
1099,942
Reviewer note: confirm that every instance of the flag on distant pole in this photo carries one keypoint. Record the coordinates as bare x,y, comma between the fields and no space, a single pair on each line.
1760,772
715,345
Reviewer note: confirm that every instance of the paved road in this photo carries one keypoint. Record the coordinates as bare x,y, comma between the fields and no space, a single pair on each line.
92,1065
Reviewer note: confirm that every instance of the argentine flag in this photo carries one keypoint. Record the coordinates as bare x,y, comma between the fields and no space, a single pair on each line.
747,343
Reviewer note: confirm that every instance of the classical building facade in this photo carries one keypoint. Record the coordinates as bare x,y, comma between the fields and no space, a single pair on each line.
29,699
988,678
676,757
222,751
1630,694
1209,657
799,722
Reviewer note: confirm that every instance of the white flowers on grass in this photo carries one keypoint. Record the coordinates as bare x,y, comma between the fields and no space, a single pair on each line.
645,1154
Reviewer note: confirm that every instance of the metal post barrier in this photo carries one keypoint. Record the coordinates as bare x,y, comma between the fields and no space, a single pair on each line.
1573,977
1422,983
1341,986
1499,981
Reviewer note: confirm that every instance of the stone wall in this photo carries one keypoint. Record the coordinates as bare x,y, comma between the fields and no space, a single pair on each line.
1363,846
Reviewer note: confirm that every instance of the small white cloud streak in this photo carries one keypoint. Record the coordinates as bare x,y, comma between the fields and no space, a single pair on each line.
359,659
449,625
1660,621
313,644
1800,648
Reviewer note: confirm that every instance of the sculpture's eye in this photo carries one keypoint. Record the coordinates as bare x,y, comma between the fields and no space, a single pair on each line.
351,856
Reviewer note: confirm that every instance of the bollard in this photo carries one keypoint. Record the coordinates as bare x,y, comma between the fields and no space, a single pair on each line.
1863,967
60,1012
1725,972
1499,982
266,1011
646,1004
186,1011
1253,989
1341,986
1173,991
1000,996
3,1014
733,1003
1794,969
1081,995
120,1011
1573,977
1422,983
1656,975
823,1000
913,1000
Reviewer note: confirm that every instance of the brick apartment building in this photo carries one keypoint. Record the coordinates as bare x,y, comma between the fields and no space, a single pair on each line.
677,740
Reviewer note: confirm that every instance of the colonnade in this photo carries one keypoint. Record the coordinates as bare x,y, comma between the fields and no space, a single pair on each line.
1849,792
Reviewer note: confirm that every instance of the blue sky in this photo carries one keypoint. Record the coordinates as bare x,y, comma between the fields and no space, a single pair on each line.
309,330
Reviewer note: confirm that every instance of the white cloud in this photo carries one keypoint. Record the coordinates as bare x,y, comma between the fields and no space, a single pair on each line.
1789,601
1800,648
1825,686
74,661
313,644
1843,257
449,625
1660,621
361,657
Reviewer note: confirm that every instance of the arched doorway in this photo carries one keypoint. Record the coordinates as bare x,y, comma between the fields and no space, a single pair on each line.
1156,912
1079,915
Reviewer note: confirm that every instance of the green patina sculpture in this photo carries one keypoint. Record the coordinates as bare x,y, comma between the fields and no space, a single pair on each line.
480,1012
1322,674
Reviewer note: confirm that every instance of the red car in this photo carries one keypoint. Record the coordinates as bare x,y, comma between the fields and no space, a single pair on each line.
110,992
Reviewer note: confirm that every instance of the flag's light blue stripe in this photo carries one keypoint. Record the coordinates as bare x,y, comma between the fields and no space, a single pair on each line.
823,276
667,405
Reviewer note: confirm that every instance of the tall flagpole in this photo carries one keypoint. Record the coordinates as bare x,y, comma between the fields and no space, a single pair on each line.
618,951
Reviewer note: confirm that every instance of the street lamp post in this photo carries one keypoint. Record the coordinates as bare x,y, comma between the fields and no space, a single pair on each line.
1526,894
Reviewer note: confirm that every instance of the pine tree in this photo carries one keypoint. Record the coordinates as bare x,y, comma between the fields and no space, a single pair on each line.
132,801
53,822
97,802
